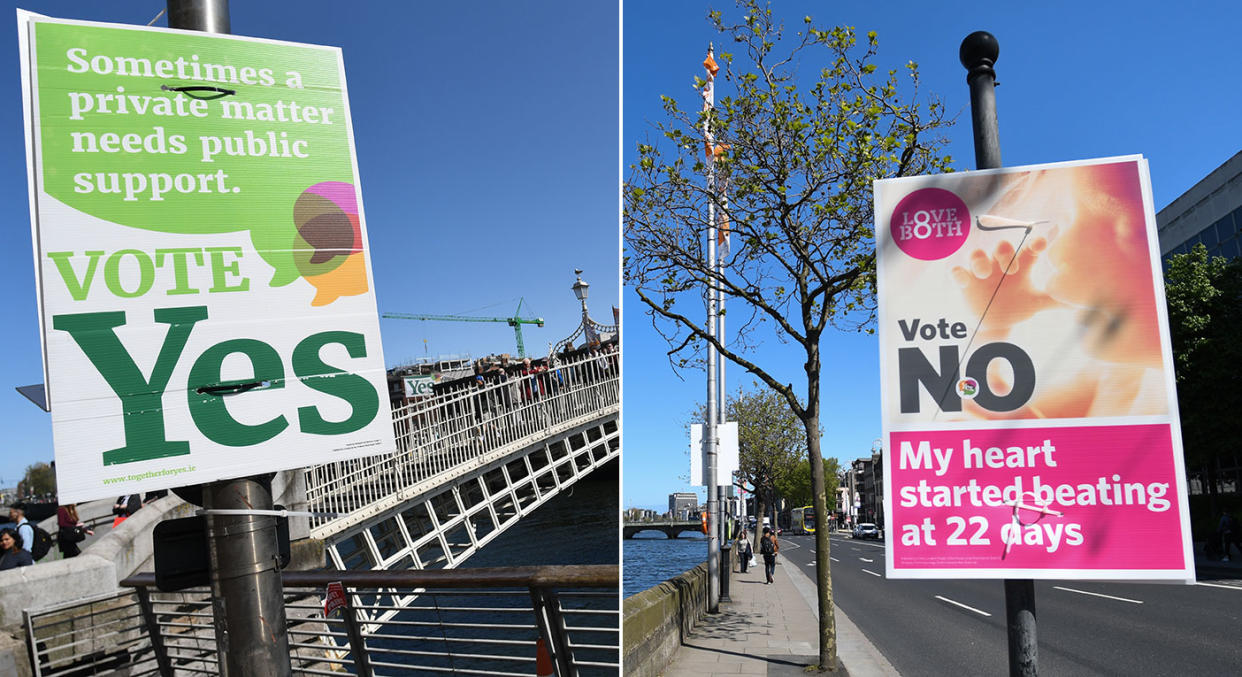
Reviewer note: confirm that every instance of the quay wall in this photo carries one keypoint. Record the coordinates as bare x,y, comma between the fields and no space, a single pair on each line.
656,620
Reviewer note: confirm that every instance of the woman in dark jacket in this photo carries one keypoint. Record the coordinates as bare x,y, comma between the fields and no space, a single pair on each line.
769,547
11,553
72,531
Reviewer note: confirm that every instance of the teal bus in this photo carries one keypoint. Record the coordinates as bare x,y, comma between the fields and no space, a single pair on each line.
803,520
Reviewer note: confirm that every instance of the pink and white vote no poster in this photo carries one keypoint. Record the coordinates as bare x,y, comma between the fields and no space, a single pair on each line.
1030,417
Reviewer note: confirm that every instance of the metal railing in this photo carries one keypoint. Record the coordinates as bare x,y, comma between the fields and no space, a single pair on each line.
449,434
463,621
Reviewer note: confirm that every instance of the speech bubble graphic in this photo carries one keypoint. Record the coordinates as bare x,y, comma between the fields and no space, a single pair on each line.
347,279
119,142
326,216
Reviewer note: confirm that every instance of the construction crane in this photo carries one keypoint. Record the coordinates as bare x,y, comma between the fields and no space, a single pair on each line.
516,322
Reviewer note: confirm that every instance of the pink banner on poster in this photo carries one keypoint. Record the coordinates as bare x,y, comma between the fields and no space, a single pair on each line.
1115,489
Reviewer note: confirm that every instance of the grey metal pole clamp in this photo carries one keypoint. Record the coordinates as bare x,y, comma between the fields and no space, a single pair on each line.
273,513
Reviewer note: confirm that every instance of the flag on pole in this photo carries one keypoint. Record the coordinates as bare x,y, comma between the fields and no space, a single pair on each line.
714,150
709,102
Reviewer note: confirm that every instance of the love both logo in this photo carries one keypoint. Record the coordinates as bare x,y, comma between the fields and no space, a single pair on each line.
915,369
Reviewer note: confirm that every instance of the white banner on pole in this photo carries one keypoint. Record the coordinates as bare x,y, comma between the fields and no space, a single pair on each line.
726,455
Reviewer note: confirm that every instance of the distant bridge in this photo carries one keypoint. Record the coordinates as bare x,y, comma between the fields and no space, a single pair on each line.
671,528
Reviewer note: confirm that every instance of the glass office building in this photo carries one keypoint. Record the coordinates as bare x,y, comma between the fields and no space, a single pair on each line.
1209,213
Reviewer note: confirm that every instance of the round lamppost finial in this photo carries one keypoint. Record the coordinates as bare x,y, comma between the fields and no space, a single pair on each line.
979,52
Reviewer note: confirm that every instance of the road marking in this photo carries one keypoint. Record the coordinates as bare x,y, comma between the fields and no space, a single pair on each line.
810,564
855,544
968,608
1098,594
837,560
868,571
868,561
1218,585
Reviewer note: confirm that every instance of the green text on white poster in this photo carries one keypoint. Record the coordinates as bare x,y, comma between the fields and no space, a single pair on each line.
205,287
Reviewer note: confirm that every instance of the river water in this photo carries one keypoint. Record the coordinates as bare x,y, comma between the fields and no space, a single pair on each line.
652,558
579,526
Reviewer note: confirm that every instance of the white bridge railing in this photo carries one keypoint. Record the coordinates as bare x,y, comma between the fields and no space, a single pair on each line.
452,433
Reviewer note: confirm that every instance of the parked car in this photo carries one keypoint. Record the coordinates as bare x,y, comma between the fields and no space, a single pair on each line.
866,530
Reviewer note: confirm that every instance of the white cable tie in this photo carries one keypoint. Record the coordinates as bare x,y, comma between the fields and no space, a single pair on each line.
1040,509
274,513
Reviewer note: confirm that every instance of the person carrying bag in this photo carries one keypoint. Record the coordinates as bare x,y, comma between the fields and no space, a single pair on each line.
71,530
745,552
769,547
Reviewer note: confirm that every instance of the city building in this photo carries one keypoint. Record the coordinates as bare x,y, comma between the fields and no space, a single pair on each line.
865,481
404,381
683,504
1209,213
845,502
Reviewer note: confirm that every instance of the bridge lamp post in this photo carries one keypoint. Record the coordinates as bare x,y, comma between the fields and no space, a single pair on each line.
580,291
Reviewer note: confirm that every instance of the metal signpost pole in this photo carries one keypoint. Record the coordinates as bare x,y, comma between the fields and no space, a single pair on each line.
710,441
978,54
247,595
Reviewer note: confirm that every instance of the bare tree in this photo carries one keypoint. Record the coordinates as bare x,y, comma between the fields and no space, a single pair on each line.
805,135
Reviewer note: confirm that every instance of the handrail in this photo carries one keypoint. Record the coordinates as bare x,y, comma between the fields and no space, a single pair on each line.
572,612
575,576
452,431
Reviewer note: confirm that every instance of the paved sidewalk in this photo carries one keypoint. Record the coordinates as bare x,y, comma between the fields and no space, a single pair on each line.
770,630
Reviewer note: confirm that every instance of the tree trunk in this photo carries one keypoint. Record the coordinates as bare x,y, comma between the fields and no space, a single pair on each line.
760,505
823,547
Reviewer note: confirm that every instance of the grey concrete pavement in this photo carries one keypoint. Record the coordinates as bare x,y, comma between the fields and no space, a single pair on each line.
771,630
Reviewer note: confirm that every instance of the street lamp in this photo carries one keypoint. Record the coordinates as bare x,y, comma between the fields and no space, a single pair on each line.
580,290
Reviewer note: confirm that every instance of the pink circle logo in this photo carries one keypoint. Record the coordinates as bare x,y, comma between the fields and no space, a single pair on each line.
930,224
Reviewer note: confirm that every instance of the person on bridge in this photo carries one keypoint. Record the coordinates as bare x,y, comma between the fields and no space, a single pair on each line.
71,530
769,547
11,553
25,532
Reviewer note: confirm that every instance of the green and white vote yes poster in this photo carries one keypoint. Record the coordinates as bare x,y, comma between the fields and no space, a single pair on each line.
204,278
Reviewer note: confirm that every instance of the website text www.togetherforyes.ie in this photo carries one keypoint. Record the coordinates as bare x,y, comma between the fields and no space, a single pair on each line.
149,474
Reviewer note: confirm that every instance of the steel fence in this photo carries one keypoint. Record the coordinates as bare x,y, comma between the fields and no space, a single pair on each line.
503,621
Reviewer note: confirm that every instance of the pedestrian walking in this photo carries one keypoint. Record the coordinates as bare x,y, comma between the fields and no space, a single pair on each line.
1228,531
71,530
769,547
25,531
12,555
744,550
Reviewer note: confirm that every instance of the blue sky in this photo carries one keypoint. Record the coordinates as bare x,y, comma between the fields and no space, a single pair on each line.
1078,80
486,135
